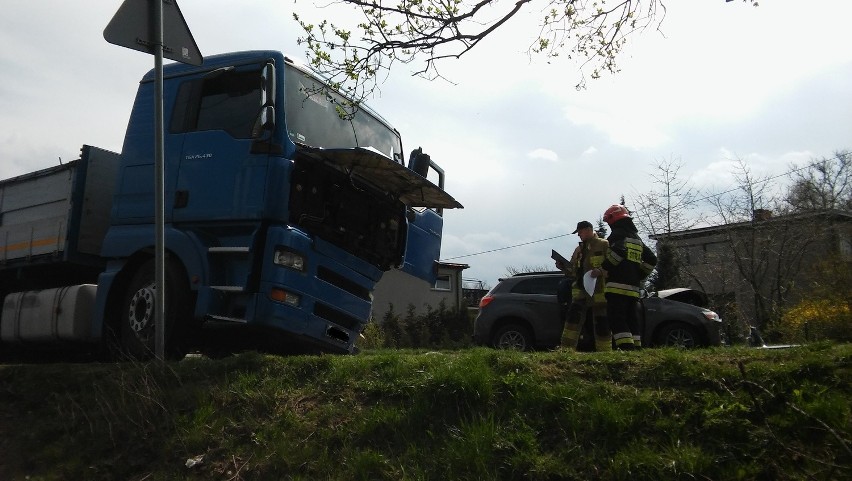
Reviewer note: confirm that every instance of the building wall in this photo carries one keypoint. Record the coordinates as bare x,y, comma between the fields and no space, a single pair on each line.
402,290
743,268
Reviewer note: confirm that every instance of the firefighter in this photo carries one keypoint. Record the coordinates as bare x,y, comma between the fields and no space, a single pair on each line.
627,263
588,256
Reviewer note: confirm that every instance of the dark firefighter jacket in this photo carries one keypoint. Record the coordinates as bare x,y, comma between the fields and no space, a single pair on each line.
628,261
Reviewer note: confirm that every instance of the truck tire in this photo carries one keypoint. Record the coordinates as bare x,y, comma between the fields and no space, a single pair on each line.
678,334
512,336
138,317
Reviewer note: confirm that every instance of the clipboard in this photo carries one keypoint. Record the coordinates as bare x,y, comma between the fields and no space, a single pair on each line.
558,257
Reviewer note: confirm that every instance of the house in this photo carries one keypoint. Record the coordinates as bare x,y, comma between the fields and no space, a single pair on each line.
751,270
401,290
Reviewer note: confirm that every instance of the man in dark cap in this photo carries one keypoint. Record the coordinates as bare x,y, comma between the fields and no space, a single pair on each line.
587,308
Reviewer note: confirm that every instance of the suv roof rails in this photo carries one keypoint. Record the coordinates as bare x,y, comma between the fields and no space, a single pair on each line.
536,273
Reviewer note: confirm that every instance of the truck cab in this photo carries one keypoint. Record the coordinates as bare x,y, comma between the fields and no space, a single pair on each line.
284,204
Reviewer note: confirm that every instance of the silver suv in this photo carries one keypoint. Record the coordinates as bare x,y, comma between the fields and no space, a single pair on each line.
521,312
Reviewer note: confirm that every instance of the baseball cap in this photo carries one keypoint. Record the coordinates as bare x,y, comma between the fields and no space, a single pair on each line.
582,225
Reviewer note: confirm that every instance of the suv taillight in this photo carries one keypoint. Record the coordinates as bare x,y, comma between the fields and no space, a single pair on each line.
485,301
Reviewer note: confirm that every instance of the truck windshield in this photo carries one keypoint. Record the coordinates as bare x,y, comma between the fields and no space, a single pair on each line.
313,118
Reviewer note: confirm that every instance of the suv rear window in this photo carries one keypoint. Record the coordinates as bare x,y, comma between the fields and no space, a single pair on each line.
537,285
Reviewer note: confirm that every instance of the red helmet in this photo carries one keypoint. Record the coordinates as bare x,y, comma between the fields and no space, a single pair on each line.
615,213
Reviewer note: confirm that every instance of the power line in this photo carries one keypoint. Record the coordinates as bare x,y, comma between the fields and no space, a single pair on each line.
694,201
507,247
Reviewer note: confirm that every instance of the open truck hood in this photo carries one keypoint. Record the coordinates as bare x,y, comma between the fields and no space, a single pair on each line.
385,174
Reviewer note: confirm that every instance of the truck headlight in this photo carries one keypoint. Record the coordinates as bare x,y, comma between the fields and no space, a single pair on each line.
289,259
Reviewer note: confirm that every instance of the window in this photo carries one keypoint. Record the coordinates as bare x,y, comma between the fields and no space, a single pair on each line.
230,102
317,116
845,247
696,255
538,285
443,283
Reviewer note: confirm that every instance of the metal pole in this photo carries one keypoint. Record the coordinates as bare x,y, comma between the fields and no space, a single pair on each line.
159,189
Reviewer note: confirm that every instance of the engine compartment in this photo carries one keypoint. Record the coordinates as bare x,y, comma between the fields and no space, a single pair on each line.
348,212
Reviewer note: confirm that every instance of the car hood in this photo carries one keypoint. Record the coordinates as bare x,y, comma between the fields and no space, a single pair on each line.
685,295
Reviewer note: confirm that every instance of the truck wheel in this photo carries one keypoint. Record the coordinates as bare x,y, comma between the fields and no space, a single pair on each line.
513,336
138,318
678,334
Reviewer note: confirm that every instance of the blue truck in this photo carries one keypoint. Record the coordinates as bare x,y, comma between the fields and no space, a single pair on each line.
284,205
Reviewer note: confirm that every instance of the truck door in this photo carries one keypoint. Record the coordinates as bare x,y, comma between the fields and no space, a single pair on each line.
219,116
425,225
423,248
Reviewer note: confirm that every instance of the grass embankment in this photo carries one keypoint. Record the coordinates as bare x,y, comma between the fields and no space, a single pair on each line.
727,413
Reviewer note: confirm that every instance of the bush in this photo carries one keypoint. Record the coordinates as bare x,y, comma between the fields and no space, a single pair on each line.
373,337
817,319
439,328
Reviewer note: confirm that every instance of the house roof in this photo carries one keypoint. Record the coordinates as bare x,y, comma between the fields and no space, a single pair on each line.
453,265
833,214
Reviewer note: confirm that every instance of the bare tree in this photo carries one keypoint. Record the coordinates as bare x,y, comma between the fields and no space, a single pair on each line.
669,206
755,258
823,189
430,31
666,209
526,269
824,184
764,252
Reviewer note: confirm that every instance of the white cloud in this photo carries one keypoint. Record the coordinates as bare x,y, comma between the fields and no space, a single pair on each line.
628,127
768,85
543,154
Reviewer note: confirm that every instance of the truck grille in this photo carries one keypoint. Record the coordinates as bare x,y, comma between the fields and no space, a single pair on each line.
335,316
335,279
348,214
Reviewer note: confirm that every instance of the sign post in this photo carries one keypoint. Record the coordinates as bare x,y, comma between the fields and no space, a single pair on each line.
156,27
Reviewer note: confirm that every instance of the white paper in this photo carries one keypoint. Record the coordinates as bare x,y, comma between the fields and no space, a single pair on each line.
589,283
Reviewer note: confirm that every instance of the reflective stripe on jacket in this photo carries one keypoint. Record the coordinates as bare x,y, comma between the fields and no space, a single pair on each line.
628,261
587,256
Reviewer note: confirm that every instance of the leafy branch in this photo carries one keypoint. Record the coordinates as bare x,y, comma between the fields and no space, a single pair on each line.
431,31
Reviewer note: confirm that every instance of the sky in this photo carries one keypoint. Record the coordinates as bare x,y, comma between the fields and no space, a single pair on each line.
526,153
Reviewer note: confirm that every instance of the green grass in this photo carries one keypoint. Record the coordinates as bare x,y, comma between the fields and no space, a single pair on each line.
478,414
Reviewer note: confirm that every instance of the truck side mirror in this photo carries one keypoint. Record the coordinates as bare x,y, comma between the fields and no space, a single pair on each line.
267,92
266,118
419,162
265,122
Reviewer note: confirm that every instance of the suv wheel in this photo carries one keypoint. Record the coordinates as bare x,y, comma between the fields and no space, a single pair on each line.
514,337
678,334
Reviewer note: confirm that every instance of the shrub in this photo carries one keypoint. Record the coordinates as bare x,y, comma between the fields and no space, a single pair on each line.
817,319
373,337
439,328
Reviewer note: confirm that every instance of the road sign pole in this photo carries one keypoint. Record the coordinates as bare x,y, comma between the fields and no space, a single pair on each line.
159,188
132,27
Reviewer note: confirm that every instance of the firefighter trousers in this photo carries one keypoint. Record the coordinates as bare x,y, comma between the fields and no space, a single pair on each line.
588,320
622,314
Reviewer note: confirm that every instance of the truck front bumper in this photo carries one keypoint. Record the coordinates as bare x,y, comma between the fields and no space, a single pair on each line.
327,301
